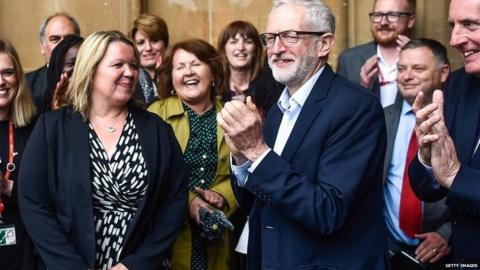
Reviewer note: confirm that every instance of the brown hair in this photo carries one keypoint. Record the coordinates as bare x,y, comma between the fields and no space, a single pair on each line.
205,52
247,30
155,27
22,109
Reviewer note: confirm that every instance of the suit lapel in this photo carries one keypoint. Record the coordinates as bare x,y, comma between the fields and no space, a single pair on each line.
392,118
370,51
77,135
147,134
468,137
274,118
309,112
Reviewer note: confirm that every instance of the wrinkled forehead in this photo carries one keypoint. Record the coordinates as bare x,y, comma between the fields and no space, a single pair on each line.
286,17
59,25
391,5
464,10
417,56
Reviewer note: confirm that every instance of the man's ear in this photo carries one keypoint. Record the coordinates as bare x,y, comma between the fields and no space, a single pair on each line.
411,21
444,72
42,49
326,44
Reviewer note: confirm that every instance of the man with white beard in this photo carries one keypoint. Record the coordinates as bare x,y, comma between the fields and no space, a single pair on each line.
311,179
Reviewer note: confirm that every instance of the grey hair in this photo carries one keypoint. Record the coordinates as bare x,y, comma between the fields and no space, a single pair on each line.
43,26
318,16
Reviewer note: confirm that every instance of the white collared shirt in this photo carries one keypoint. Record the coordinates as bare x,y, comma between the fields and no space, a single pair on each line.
290,107
387,74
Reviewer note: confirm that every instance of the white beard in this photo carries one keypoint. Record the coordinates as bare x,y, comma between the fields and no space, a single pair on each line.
296,72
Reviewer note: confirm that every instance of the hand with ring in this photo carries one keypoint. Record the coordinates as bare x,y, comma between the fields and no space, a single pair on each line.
432,247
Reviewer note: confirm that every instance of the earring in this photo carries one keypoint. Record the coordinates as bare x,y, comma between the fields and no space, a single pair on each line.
173,92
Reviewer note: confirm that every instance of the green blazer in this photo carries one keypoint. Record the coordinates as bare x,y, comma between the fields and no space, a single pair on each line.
171,110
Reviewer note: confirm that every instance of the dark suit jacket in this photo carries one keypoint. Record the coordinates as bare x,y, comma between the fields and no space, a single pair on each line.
435,215
37,82
462,117
56,200
319,205
351,61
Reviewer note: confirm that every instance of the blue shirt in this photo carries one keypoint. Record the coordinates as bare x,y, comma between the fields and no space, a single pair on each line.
394,181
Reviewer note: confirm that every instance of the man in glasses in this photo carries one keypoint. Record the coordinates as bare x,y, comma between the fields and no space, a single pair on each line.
311,178
374,64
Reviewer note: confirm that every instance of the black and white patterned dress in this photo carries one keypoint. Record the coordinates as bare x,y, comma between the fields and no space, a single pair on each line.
118,187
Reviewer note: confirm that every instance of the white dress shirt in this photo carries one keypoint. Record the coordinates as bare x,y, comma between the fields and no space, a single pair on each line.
388,75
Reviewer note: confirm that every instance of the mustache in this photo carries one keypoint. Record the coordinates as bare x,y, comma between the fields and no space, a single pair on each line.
385,27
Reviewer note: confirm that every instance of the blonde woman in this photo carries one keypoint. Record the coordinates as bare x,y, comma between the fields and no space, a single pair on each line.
104,182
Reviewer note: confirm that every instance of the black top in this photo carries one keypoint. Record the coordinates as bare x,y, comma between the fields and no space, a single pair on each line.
19,255
264,90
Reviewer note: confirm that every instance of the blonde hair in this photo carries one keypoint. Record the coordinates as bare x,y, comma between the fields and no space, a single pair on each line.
90,54
22,109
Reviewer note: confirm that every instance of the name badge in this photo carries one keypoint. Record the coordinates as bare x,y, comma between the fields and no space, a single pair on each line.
8,236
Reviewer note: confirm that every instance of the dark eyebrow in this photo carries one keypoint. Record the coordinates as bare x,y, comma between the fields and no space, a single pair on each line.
54,37
469,21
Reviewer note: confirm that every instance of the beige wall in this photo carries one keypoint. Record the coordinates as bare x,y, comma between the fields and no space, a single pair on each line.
20,19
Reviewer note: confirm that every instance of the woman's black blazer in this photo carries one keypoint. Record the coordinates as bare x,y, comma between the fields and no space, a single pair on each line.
56,200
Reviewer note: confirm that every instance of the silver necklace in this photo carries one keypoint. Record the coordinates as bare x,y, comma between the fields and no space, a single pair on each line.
110,128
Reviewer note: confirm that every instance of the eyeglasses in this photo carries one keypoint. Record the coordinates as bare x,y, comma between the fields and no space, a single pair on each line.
377,17
287,38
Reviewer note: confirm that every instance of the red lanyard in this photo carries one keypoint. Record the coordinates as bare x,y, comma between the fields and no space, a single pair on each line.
10,165
382,80
11,147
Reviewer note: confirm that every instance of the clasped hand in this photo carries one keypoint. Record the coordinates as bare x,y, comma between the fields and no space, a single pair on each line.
242,126
436,147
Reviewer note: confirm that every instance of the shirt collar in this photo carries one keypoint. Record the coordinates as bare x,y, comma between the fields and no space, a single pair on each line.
383,62
300,96
406,108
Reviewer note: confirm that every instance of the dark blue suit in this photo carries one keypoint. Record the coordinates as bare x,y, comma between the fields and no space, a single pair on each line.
462,117
319,204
